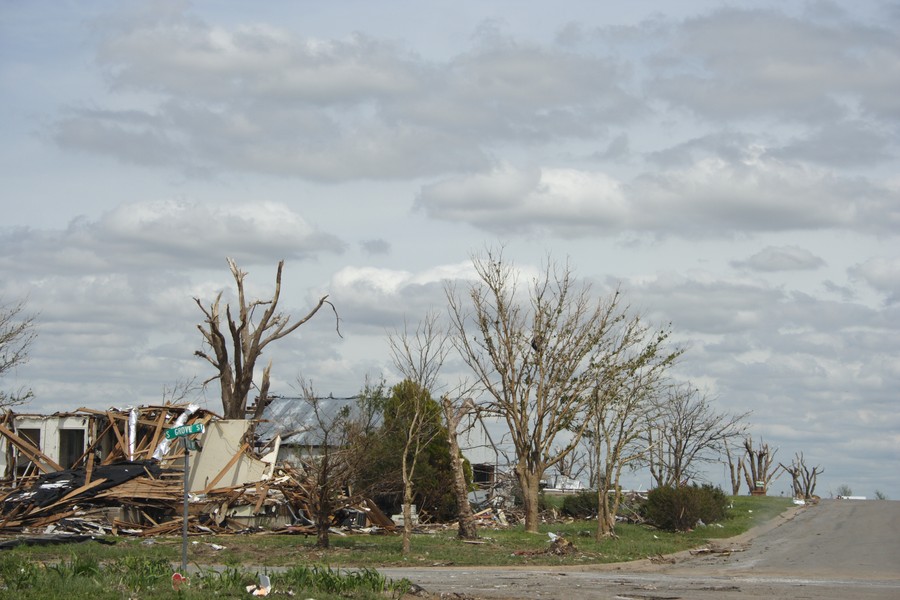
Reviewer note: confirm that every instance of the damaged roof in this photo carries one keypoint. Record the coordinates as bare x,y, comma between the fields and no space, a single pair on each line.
294,419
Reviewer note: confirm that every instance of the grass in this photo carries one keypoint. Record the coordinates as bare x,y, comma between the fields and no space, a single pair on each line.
136,568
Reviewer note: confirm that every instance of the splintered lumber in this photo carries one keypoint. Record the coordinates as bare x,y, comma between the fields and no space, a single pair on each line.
65,499
89,468
262,496
377,516
123,445
144,488
158,431
40,460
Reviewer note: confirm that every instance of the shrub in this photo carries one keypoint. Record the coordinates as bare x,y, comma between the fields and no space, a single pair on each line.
681,508
581,505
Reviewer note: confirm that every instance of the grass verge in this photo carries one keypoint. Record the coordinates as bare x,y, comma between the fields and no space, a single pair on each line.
136,568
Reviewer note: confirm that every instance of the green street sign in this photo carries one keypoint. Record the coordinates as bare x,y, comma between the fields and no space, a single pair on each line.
177,432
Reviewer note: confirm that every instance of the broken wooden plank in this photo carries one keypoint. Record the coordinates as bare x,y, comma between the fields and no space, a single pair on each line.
34,454
69,496
230,464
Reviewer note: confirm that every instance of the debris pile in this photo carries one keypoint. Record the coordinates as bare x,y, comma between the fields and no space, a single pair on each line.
130,478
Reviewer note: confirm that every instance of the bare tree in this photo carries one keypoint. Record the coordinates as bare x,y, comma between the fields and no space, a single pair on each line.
330,457
573,465
622,402
803,479
735,465
17,332
758,463
686,433
235,356
420,355
534,354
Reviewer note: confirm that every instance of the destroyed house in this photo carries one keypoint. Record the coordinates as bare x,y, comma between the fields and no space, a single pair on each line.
32,444
127,474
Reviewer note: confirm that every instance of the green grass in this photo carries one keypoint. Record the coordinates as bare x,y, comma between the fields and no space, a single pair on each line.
136,568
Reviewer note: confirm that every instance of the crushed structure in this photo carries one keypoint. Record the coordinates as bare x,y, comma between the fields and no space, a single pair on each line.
115,472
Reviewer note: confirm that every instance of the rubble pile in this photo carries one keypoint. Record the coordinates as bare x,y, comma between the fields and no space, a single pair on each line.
130,479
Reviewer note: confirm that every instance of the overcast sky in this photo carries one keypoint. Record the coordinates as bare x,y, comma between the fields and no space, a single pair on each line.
733,166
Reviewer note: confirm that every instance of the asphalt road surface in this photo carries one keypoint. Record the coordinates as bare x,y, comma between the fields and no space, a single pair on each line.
834,550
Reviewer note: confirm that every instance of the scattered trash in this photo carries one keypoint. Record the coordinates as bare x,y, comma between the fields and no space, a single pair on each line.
178,580
716,550
263,588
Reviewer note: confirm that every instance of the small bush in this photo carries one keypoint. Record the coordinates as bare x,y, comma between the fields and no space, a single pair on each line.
681,508
581,505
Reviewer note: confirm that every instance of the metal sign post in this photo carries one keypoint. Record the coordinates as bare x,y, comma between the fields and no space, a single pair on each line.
182,432
184,525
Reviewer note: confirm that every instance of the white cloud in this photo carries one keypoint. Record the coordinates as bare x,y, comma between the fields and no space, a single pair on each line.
713,197
882,273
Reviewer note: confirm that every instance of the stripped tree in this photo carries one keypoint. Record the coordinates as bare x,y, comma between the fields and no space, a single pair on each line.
758,466
236,350
803,479
534,352
735,466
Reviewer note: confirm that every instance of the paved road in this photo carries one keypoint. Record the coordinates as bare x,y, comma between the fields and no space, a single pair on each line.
835,550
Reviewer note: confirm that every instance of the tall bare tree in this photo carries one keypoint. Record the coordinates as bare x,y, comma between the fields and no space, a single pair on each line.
735,465
686,433
17,332
803,479
534,352
760,468
622,402
420,356
237,347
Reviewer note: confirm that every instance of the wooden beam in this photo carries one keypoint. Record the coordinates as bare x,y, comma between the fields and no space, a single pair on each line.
230,464
40,460
122,445
70,495
89,468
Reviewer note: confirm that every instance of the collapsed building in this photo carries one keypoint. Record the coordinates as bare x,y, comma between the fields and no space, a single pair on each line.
115,471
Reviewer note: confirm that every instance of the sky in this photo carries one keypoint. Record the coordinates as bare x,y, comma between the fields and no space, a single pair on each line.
731,166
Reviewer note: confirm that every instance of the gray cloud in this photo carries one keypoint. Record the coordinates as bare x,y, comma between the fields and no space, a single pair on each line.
260,99
802,364
376,247
851,144
736,64
784,258
167,235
